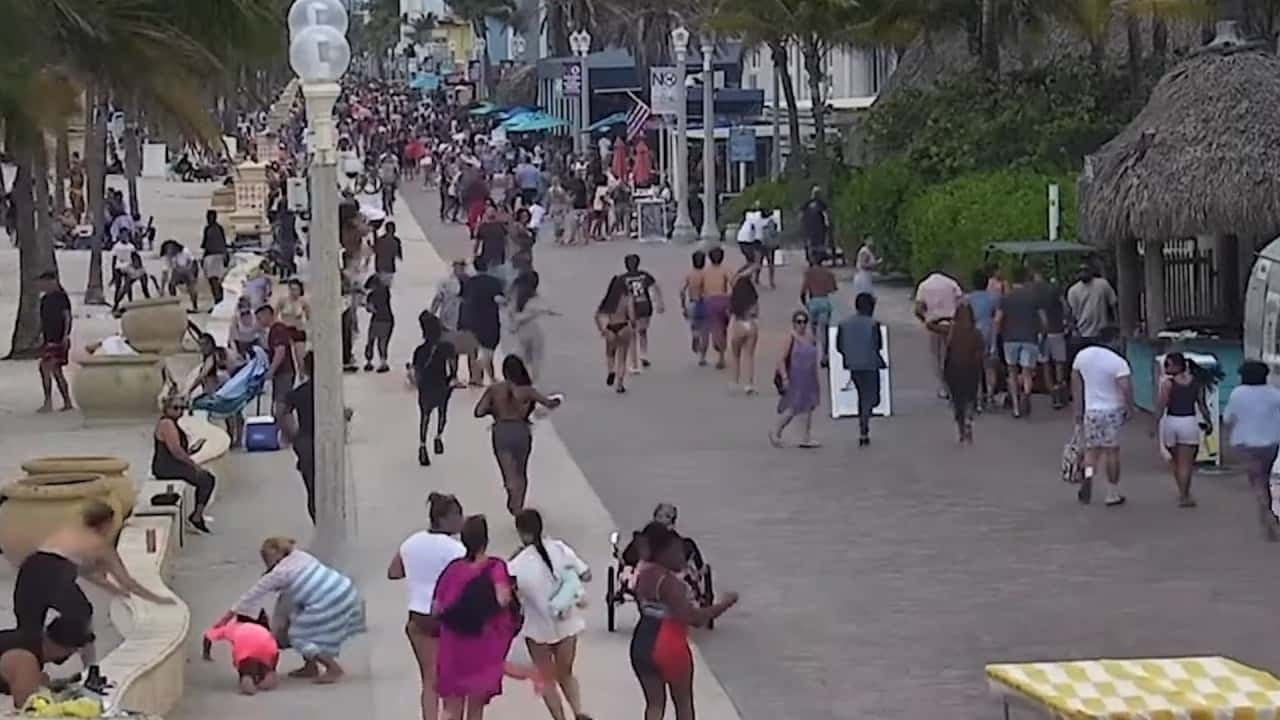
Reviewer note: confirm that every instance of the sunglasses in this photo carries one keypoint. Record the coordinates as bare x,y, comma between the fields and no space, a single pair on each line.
800,321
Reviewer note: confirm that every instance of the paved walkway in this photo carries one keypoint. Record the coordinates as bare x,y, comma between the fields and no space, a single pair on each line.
876,583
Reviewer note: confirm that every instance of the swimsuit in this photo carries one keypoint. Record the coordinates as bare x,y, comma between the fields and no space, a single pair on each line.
660,644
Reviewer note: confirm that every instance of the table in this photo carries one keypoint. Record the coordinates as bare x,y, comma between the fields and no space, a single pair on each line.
1193,688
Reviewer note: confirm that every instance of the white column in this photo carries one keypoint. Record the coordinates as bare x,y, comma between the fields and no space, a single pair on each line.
775,167
683,231
710,231
586,103
332,518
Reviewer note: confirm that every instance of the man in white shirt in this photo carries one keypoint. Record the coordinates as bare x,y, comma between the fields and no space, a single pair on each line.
937,298
1102,393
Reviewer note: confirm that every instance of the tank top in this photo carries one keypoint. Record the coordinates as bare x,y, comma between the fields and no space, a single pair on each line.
163,463
1182,399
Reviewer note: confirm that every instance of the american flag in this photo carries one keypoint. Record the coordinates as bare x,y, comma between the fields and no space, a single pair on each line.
637,119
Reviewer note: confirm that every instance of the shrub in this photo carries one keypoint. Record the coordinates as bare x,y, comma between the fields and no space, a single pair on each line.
769,194
948,226
869,203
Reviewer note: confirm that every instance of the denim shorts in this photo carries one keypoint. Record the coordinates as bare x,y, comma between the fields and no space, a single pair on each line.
1021,354
1055,348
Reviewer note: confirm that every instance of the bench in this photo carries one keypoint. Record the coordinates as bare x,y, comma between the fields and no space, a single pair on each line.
177,513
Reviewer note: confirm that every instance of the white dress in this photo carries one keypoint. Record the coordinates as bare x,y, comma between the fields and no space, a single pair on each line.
536,584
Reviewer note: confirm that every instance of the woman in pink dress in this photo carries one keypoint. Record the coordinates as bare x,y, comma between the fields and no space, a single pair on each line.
478,621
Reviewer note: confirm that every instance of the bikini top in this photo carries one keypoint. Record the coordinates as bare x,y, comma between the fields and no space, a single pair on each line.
655,609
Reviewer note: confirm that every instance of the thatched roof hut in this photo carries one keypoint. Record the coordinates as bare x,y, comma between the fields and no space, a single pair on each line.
1202,158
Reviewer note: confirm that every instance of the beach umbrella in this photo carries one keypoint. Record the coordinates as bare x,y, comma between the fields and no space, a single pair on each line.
643,164
619,163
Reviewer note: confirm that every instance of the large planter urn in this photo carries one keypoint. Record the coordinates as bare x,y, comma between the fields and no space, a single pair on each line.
118,388
34,507
154,325
114,471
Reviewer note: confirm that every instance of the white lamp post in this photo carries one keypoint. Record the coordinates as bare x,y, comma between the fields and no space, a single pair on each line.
580,43
319,54
683,231
710,231
482,58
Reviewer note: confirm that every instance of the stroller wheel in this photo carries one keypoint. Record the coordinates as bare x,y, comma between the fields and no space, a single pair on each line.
610,598
709,588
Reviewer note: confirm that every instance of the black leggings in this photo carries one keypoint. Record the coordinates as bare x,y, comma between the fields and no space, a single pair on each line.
425,407
201,479
47,581
304,446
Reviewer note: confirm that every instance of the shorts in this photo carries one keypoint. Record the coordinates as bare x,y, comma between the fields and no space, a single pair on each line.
55,354
819,309
281,385
1102,428
387,278
644,310
256,669
1022,354
463,341
185,277
1055,348
214,265
1179,430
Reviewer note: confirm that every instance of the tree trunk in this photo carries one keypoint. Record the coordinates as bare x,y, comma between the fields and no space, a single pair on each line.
61,163
131,140
1160,43
95,158
990,42
1133,34
813,68
33,259
557,29
779,53
40,187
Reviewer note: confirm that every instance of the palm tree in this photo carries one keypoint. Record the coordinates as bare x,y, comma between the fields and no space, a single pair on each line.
478,13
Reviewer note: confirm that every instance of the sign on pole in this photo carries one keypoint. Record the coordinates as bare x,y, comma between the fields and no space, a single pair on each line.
1055,212
571,79
664,93
742,145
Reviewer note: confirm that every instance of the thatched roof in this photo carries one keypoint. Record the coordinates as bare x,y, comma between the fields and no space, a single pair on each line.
1203,157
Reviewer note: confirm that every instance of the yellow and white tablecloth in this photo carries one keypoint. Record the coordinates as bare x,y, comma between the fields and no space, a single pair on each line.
1195,688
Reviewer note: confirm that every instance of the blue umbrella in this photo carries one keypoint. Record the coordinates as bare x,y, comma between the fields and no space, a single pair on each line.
536,121
618,118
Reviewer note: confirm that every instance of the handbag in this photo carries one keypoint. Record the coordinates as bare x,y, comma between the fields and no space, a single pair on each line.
1073,458
778,383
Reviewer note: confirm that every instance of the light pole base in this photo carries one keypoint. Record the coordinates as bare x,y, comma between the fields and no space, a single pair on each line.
684,233
712,237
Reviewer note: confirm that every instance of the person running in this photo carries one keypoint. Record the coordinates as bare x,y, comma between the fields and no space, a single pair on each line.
983,303
559,205
859,339
744,331
549,579
432,372
46,578
491,243
526,326
646,298
615,319
420,561
217,256
382,323
695,307
798,381
387,249
815,295
716,282
299,407
293,309
510,403
473,602
171,459
865,264
1053,344
660,654
816,217
1102,392
55,334
480,317
962,369
389,174
1252,416
935,304
1180,395
1020,324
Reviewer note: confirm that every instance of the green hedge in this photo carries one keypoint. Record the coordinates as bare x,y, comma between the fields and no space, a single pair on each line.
948,226
869,203
770,195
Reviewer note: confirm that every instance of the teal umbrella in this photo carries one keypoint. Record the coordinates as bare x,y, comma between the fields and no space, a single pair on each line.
618,118
484,109
536,121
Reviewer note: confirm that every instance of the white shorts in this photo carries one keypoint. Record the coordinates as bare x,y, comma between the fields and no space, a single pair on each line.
1180,430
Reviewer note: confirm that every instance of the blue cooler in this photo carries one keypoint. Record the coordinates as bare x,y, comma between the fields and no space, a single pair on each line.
261,434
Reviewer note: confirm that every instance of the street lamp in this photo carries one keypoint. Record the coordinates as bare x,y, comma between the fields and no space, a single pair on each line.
710,231
683,231
483,60
320,55
580,43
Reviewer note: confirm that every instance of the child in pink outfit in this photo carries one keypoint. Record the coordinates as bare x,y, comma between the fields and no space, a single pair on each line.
254,651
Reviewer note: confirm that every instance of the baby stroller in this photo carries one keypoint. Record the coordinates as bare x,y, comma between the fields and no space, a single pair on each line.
619,582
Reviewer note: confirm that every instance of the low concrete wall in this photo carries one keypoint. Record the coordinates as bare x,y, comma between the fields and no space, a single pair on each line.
149,666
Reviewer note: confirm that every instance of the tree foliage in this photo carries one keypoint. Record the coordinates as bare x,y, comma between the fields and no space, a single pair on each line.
868,205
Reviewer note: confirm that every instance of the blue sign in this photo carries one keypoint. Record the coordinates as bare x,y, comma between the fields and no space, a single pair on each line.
742,145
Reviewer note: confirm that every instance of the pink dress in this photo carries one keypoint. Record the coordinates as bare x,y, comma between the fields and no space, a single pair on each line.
471,666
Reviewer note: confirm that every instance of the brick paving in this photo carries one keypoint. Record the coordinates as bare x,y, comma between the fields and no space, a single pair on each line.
876,583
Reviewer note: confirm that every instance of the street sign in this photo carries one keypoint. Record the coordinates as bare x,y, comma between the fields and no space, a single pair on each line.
742,145
664,91
571,79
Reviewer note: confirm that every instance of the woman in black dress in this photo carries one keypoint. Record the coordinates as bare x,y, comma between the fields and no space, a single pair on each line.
432,369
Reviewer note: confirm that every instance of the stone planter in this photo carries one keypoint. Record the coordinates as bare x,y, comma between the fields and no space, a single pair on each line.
114,471
155,325
35,507
118,388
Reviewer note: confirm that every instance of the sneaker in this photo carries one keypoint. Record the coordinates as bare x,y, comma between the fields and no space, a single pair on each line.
383,368
1085,494
439,446
645,362
864,441
198,523
1115,500
608,379
423,458
368,367
350,368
